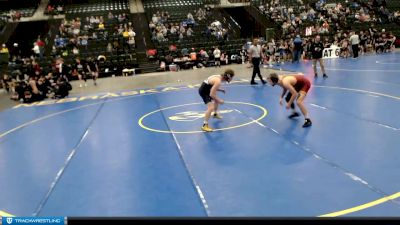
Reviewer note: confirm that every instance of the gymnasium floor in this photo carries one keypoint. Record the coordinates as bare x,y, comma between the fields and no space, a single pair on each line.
141,153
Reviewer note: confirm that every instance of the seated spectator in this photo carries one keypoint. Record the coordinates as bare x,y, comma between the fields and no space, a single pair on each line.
101,58
110,16
131,42
185,51
43,87
60,42
162,66
190,16
50,9
75,51
379,45
84,41
109,47
97,20
4,49
131,33
193,55
189,32
62,88
101,26
160,37
151,53
60,9
172,48
125,34
204,54
154,19
169,59
152,26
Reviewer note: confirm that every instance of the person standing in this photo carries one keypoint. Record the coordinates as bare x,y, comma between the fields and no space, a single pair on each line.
93,69
41,46
255,54
217,57
79,71
316,51
354,41
298,48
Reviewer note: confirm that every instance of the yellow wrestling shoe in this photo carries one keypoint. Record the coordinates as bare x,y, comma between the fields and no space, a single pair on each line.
206,128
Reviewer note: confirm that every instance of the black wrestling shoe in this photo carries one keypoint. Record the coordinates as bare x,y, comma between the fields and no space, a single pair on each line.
263,82
315,75
307,123
253,83
325,76
293,115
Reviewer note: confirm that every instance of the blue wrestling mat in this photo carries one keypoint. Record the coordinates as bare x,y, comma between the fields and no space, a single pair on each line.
142,153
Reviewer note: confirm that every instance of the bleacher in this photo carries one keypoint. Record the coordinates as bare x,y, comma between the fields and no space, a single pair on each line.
88,7
181,4
239,1
178,10
100,6
348,22
393,5
26,8
115,61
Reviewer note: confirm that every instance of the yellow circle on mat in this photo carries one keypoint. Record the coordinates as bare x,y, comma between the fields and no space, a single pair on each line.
140,122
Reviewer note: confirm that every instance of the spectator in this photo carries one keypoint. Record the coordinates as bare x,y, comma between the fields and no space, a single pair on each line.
298,48
41,46
60,9
78,70
36,49
6,82
109,48
101,26
110,16
4,49
189,32
75,51
217,57
185,52
131,33
131,42
93,69
190,17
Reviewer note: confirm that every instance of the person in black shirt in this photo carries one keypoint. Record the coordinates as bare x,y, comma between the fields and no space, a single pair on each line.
93,69
379,45
316,51
43,86
78,69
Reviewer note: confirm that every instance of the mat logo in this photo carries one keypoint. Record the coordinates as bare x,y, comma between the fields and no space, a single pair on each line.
9,220
190,116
